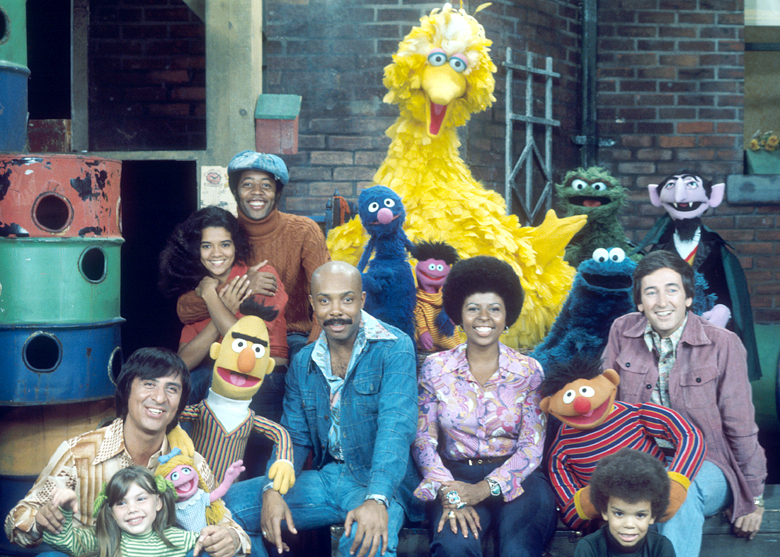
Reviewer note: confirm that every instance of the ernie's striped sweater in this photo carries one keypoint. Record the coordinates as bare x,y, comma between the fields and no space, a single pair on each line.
575,453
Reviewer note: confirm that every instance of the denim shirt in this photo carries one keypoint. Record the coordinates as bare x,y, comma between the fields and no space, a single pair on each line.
378,414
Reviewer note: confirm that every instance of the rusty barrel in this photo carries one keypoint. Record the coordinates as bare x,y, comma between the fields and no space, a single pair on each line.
51,196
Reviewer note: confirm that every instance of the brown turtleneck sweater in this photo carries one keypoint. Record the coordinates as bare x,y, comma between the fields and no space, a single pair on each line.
295,247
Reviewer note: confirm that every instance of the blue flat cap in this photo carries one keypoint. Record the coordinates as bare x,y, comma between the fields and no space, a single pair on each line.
252,160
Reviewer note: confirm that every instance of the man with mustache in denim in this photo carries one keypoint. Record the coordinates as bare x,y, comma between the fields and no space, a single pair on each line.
351,399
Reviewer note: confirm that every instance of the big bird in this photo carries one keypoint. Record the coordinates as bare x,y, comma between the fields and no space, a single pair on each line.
441,74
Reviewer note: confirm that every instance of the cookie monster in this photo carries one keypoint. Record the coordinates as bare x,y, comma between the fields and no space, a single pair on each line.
600,293
388,282
596,193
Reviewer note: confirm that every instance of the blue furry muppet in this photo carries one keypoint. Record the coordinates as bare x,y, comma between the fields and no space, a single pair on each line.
388,282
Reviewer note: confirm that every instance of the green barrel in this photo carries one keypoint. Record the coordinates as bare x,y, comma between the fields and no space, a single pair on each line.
59,280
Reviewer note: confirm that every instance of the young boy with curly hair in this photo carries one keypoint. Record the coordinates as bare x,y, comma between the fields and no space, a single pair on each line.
630,489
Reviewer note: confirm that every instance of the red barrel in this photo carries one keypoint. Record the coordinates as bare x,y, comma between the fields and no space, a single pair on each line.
59,196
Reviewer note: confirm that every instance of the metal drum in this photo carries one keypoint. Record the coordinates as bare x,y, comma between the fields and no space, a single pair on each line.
59,280
13,100
29,436
59,196
57,364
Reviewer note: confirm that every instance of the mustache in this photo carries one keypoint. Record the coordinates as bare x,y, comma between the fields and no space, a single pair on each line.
337,321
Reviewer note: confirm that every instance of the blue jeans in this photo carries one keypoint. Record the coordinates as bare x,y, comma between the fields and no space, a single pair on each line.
319,498
523,525
708,494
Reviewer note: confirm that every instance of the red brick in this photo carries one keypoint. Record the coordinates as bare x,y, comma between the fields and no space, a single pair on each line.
675,142
636,141
695,127
695,154
678,60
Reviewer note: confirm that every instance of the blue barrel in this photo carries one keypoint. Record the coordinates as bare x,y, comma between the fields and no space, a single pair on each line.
13,100
54,364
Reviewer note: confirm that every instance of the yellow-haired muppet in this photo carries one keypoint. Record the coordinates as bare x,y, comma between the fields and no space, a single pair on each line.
441,74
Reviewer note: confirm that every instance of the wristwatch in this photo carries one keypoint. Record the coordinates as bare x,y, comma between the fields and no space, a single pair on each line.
495,489
378,498
758,500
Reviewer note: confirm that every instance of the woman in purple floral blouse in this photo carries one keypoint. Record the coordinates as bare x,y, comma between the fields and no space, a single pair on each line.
481,401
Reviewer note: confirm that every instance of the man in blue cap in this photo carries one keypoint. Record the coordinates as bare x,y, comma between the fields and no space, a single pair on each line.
293,245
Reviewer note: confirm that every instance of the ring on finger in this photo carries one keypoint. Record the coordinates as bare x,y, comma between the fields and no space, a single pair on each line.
451,515
265,534
453,497
460,505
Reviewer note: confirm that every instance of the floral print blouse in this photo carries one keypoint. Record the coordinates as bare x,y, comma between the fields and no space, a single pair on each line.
498,419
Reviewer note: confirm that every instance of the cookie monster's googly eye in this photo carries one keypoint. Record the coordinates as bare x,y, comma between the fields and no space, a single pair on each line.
437,57
440,268
579,184
259,350
601,255
458,63
389,203
238,344
373,207
599,186
617,255
568,396
587,392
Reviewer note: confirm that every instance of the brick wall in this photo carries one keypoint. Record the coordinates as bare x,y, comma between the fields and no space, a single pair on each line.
147,76
670,92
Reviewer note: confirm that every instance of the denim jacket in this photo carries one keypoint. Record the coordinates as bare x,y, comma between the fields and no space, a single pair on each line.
378,415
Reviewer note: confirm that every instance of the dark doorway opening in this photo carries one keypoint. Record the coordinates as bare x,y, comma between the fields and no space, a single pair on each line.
156,196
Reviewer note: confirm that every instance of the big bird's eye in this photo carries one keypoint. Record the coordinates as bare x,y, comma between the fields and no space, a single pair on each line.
259,350
458,63
601,255
437,57
389,202
617,255
578,184
599,186
238,344
568,396
373,207
587,392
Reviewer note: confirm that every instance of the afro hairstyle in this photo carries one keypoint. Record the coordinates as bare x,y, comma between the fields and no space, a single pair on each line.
480,275
558,374
441,251
632,476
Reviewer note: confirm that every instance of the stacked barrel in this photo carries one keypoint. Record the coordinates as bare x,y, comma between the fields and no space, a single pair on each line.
13,76
60,342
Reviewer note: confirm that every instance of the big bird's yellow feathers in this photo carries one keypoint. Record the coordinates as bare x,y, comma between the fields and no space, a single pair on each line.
441,74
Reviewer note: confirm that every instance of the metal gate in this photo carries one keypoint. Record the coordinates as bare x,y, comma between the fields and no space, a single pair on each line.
529,209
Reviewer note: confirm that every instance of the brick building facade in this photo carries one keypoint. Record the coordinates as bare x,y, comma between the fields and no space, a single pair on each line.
669,82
